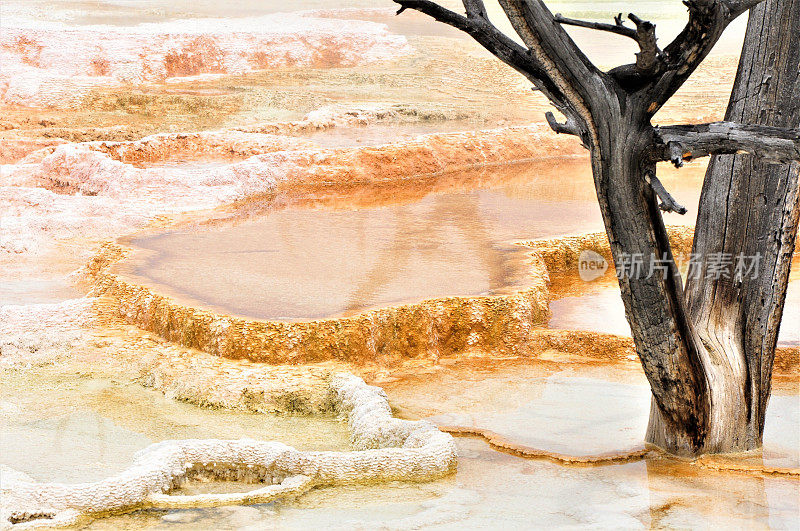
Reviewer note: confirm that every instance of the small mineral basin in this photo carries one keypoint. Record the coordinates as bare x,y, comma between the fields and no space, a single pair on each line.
332,253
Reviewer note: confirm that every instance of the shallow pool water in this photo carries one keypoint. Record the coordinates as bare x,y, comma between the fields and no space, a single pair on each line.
580,311
69,426
330,255
497,491
581,411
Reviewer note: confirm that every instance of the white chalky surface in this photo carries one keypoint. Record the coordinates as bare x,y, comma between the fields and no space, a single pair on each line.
50,64
387,449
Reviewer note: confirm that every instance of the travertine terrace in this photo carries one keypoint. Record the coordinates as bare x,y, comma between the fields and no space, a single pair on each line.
123,122
387,449
49,65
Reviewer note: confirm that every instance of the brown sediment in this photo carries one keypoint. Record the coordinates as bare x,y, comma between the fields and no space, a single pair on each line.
215,145
502,444
281,162
431,328
360,115
712,463
132,146
589,346
500,325
498,442
15,148
786,365
164,147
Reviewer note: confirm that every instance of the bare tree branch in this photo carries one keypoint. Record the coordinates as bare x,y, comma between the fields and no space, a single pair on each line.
570,127
475,9
707,20
612,113
737,7
619,28
494,40
647,58
553,62
687,142
675,154
552,47
668,203
644,35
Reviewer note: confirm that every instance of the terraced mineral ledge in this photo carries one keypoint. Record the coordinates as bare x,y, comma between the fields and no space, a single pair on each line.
386,449
201,138
425,266
48,66
326,255
319,188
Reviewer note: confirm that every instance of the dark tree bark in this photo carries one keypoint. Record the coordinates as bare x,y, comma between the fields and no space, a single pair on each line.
611,112
749,208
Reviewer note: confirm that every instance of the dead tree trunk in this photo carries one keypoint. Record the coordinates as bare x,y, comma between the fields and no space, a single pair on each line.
749,209
611,113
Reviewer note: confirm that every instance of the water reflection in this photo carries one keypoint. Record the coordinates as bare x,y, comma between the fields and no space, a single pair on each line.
493,490
448,214
74,430
334,251
580,303
579,411
78,428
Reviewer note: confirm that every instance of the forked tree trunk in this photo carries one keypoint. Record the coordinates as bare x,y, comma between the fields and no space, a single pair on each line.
707,353
751,209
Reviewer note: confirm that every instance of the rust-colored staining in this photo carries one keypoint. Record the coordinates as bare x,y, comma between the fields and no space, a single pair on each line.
30,49
786,366
722,464
197,147
261,60
200,56
329,55
498,442
99,66
708,462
